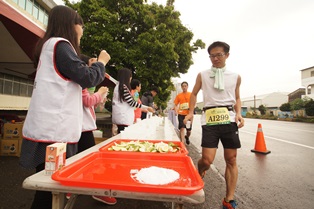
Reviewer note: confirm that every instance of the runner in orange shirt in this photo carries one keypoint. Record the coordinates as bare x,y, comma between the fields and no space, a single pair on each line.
181,102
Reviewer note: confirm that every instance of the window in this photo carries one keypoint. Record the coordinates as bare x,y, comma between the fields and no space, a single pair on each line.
1,85
13,85
41,16
29,7
8,86
22,4
35,12
312,73
16,88
34,9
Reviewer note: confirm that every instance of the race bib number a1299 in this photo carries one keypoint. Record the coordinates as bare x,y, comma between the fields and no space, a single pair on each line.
217,116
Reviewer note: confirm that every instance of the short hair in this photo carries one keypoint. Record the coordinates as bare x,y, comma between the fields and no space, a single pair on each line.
155,89
224,45
184,82
135,83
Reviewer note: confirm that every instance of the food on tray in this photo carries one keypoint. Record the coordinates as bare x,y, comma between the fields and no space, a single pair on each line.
154,175
145,146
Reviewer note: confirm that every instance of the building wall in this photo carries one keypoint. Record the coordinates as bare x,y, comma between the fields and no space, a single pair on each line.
297,94
275,99
306,73
28,18
11,102
307,80
272,100
173,94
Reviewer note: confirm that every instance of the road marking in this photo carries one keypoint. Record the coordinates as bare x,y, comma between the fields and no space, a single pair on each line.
301,145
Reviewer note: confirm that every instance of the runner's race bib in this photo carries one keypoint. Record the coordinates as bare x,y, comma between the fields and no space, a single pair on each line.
184,106
217,116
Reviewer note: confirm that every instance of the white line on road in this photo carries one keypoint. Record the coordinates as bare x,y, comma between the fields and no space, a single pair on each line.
301,145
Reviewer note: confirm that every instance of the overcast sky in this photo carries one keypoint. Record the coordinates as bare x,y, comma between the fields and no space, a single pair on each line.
270,40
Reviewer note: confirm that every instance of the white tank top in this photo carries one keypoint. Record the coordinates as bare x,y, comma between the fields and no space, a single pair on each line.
55,112
122,112
216,97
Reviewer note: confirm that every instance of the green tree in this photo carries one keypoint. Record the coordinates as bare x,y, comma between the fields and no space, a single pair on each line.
285,107
149,39
309,108
297,104
262,109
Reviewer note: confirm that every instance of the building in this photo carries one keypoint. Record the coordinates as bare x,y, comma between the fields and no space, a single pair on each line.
177,90
307,80
22,23
271,101
297,94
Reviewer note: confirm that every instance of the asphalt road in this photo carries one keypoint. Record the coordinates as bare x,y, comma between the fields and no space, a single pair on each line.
279,180
282,179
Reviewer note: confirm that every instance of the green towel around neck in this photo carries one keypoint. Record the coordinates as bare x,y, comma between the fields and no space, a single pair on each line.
218,73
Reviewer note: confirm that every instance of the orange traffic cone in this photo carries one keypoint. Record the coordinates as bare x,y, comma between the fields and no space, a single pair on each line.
260,146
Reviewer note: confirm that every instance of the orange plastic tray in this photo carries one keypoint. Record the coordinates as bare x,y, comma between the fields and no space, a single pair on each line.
111,171
182,151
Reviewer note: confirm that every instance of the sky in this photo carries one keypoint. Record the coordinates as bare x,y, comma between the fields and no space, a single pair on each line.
270,40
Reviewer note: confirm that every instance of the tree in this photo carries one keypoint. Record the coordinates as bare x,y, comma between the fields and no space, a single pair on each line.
148,39
285,107
262,109
309,108
297,104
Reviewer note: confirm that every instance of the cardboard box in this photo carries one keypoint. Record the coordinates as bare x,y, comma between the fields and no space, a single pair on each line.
10,147
55,157
12,131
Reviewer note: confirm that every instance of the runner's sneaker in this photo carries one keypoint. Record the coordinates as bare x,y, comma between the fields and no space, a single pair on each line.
106,200
187,140
229,205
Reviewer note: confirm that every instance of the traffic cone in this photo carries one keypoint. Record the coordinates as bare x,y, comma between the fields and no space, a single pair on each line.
260,146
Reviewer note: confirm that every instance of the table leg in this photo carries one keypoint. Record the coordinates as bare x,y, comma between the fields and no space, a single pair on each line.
58,200
179,206
71,202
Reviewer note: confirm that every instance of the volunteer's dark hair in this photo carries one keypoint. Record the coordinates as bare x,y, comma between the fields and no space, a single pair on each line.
61,22
155,89
135,83
224,45
124,76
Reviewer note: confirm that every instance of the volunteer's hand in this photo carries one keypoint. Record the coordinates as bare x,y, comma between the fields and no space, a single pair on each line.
104,57
91,61
103,90
150,109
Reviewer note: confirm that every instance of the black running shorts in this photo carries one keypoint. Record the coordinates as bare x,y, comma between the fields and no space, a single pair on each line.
228,134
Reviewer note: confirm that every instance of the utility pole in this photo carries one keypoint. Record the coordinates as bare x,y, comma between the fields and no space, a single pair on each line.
254,104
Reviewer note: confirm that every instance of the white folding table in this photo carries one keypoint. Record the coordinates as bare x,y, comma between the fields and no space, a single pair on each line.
40,181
